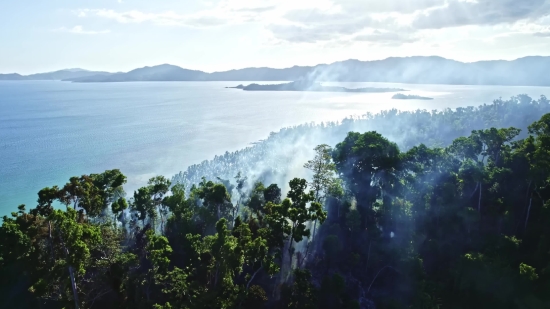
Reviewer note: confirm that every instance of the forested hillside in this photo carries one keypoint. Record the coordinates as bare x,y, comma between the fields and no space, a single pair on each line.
397,210
281,156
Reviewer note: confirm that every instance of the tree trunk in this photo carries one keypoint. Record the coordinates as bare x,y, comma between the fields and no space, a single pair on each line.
527,197
378,273
368,258
123,220
314,228
249,281
71,274
50,239
254,275
216,277
148,293
479,200
305,255
161,221
528,211
477,185
236,209
73,287
290,252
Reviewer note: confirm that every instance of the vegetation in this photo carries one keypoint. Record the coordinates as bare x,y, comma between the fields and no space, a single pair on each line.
308,85
400,96
463,225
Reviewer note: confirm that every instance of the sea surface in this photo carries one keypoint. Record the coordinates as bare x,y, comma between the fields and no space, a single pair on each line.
51,130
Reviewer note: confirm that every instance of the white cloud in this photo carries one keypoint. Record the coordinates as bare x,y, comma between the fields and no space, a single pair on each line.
385,37
80,30
168,18
226,12
326,22
481,12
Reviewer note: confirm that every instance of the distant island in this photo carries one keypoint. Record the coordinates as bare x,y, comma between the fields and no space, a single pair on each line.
311,86
57,75
400,96
527,71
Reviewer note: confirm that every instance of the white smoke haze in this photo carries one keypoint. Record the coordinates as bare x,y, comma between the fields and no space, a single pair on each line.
281,157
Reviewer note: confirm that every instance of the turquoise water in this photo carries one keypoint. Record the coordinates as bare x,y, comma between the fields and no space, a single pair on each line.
50,130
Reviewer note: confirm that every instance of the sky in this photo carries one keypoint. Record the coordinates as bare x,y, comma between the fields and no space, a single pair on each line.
209,35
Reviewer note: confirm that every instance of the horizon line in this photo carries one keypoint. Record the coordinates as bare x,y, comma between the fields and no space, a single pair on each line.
279,68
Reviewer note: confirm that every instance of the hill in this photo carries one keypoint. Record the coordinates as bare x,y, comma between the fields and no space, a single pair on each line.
528,71
305,86
12,76
66,74
57,75
164,72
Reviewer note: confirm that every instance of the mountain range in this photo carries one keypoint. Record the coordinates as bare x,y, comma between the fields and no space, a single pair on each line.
57,75
528,71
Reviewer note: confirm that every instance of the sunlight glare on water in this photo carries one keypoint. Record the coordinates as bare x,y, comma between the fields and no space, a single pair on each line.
50,130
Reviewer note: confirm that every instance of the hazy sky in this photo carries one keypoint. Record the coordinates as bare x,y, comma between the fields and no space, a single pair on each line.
120,35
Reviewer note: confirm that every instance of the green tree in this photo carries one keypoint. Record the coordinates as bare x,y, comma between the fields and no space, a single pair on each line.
323,171
303,293
298,212
158,187
143,205
323,181
241,182
332,247
110,184
118,207
368,163
272,194
216,201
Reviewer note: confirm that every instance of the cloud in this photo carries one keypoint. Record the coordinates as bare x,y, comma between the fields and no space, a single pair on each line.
226,12
334,22
395,22
480,12
80,30
317,26
387,6
163,19
385,38
134,16
300,34
260,9
343,24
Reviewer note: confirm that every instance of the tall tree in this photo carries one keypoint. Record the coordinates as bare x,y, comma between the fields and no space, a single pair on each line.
366,161
323,170
143,204
118,207
296,207
158,187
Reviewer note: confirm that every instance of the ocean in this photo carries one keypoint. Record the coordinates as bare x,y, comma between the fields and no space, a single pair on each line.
51,130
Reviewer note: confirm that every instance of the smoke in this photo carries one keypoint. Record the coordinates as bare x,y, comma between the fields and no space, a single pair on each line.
281,156
434,70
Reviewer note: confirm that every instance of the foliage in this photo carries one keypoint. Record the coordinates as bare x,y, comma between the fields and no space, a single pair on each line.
459,226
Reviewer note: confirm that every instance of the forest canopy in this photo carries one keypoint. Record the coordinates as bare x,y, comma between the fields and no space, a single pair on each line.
459,221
